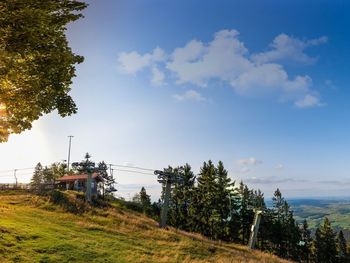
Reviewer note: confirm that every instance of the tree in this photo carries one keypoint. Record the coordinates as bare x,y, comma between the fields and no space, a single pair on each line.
306,240
136,198
47,175
180,198
246,214
226,204
109,180
145,200
36,63
37,178
342,248
279,235
325,244
203,211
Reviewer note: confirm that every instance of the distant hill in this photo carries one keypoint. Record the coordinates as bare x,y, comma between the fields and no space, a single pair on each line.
314,211
33,229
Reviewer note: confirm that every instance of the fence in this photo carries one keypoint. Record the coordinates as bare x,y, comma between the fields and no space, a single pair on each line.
22,186
19,186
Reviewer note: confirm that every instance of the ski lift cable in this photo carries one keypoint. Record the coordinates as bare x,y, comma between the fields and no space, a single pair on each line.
134,167
130,171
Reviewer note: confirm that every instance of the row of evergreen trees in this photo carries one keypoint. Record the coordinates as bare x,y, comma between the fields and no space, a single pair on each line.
212,205
44,177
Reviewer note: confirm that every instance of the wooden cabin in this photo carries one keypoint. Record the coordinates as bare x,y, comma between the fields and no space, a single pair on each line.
78,182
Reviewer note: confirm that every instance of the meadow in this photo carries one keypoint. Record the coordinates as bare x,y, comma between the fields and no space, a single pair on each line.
34,229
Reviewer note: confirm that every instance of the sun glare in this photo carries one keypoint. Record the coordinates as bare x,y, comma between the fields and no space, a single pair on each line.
22,150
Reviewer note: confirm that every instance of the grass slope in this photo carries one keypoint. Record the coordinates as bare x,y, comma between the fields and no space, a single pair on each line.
32,229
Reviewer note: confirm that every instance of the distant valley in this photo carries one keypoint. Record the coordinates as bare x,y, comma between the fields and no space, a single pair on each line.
314,210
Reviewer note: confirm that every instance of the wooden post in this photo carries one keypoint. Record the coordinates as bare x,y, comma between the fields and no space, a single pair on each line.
254,229
164,214
88,186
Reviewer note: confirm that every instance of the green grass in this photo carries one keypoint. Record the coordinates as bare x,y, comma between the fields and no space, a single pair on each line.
33,229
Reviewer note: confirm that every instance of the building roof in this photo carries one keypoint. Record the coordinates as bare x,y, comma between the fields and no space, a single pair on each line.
75,177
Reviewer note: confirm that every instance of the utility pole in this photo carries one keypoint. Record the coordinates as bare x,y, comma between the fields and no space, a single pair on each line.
15,175
166,179
110,169
255,229
70,142
88,185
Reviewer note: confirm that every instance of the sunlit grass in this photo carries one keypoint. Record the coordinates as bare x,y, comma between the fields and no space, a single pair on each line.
34,230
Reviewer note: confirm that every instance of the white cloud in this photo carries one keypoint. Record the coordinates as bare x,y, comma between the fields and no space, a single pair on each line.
198,63
244,170
286,47
190,95
226,59
279,167
133,62
249,161
246,165
273,180
308,101
158,77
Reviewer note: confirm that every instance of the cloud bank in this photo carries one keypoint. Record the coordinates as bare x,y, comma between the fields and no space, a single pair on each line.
226,59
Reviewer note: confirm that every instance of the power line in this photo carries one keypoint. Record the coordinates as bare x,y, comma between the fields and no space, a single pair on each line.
11,175
130,171
134,167
20,169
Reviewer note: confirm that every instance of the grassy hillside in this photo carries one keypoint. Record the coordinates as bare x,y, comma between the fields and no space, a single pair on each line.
32,229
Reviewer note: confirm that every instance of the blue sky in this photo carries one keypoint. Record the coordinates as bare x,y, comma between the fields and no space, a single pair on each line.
260,85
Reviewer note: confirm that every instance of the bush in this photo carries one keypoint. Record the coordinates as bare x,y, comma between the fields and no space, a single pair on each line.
70,201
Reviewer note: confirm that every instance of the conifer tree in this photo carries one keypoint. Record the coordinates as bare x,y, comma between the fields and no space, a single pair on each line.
37,178
306,239
325,243
181,198
342,248
204,212
145,200
109,181
48,175
280,207
226,204
246,214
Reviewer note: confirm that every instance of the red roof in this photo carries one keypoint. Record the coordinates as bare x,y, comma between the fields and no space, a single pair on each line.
77,177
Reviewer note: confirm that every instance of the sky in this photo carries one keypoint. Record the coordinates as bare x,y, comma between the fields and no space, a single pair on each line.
260,85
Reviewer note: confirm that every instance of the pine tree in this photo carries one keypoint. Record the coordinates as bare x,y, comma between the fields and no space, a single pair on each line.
226,202
342,248
180,199
37,178
325,243
145,200
306,240
109,180
278,234
204,212
293,237
246,214
48,176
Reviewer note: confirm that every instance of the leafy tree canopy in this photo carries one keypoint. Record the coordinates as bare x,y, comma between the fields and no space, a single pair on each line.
36,63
